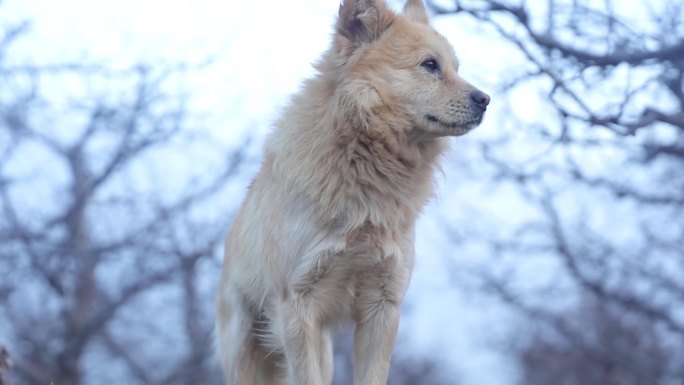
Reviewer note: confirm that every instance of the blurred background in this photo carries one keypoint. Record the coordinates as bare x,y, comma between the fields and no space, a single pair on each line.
129,130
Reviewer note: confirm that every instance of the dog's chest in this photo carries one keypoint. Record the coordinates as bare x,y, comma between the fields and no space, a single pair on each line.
370,257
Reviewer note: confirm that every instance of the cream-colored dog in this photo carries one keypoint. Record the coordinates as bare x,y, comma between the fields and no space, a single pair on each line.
326,232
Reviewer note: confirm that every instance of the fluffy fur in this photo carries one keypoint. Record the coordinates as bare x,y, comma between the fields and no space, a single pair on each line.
326,231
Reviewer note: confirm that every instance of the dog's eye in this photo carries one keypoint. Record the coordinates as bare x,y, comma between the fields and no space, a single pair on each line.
430,65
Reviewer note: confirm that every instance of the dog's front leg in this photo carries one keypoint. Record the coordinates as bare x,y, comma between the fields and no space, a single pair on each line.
377,319
303,340
373,344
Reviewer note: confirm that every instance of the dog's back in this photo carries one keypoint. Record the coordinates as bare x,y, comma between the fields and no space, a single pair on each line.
326,231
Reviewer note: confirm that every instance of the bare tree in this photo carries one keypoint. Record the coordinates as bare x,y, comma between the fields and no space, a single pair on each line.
595,344
101,261
597,180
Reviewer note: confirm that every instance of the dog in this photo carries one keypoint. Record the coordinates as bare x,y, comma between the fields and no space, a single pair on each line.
326,232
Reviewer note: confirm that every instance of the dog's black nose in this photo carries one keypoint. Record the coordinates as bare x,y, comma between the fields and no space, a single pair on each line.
480,98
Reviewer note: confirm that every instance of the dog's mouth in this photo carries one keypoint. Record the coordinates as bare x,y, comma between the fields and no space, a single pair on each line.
461,127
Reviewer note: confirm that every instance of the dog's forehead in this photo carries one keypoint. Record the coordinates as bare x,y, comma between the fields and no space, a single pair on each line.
442,41
418,30
416,42
440,44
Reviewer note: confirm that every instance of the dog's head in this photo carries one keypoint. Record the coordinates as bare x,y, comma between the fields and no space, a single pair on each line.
398,60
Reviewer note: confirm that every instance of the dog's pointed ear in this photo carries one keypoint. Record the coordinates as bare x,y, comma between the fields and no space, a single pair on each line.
415,10
363,21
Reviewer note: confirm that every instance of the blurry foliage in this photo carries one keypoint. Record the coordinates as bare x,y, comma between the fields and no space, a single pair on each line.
597,343
107,268
596,258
